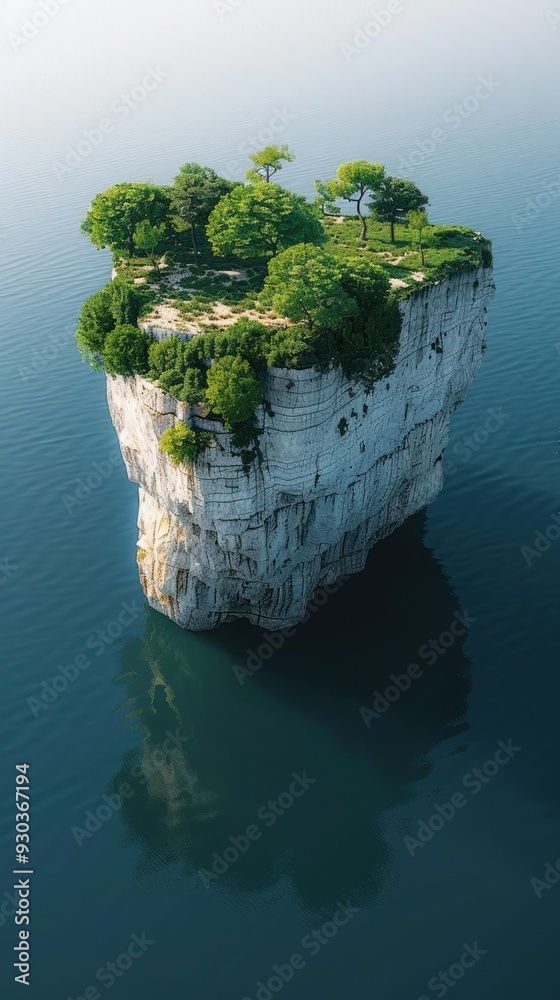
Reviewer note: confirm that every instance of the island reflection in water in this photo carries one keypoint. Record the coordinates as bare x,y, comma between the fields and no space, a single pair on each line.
236,746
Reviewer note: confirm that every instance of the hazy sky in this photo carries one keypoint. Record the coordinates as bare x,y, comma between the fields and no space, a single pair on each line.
227,67
223,54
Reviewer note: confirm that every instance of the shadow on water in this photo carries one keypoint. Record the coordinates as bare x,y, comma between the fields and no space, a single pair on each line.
240,743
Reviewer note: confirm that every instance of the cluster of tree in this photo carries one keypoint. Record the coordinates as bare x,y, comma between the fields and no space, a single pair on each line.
104,314
338,311
392,198
254,220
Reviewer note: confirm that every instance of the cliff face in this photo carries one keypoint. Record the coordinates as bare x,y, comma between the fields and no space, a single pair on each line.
340,470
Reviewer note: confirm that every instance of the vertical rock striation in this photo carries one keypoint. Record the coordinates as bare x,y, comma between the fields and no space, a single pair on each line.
340,469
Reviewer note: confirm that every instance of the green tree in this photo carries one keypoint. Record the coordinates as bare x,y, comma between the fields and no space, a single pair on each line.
326,197
305,284
234,390
196,192
147,237
194,386
353,182
115,213
183,444
260,220
95,323
246,338
126,351
417,225
125,303
269,161
367,341
395,199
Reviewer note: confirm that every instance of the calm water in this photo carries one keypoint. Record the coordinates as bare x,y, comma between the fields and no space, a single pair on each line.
160,710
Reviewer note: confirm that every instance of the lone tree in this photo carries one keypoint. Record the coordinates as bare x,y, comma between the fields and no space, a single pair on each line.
146,238
195,193
306,284
261,220
417,224
234,390
115,213
353,182
394,199
268,161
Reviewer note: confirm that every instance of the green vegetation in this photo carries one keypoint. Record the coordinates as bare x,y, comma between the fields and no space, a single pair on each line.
183,444
353,182
234,391
126,351
261,220
115,214
147,237
268,162
418,224
305,284
257,276
115,305
395,199
196,192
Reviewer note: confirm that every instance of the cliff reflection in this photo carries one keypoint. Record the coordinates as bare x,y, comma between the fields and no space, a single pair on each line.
215,751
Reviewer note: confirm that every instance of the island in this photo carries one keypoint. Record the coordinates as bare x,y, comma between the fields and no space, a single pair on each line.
281,374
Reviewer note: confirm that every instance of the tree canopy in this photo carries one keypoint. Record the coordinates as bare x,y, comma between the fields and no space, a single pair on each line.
268,161
394,199
305,284
234,390
261,220
115,213
353,182
147,237
195,193
126,351
114,305
344,308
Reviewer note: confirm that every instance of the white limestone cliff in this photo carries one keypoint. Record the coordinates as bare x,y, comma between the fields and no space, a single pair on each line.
340,469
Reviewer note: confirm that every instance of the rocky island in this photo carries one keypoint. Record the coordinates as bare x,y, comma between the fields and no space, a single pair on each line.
281,377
